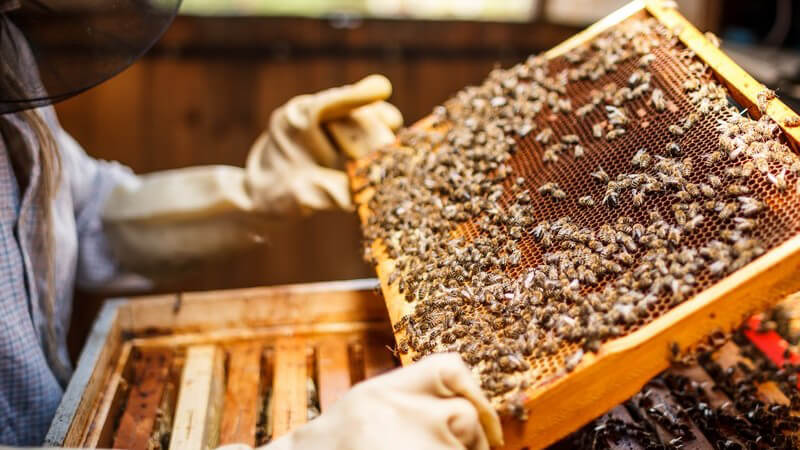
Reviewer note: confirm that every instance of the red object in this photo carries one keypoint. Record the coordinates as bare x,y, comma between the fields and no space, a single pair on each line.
771,344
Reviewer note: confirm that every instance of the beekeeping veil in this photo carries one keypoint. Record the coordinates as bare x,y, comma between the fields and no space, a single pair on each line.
51,50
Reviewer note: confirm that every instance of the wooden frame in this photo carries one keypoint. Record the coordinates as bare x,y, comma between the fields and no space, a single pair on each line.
622,366
211,357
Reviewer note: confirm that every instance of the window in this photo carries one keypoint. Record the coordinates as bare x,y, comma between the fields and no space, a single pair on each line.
493,10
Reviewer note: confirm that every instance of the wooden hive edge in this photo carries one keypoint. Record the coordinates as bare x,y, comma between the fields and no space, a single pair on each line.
632,360
190,312
79,401
343,307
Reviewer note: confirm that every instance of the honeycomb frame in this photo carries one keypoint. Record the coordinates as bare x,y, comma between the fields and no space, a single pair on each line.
562,404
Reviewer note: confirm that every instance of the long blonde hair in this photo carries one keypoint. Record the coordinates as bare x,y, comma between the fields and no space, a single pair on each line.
49,179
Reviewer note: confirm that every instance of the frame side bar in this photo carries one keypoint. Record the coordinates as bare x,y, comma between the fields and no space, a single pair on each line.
99,339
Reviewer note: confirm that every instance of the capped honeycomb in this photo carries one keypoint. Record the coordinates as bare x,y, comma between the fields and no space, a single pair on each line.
567,202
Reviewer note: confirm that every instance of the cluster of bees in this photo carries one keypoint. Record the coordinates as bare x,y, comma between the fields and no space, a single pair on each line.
746,419
504,289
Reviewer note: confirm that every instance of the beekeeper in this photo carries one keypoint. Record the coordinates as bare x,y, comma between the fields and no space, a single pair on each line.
67,219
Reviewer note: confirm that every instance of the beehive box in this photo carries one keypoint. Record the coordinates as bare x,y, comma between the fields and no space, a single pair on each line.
190,371
557,391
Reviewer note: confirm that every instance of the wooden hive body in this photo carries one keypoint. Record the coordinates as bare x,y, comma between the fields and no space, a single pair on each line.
561,403
197,370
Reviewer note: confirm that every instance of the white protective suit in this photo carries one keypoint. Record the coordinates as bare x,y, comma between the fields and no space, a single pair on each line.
176,216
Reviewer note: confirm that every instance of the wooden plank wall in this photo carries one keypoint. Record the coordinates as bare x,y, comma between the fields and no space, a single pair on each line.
204,93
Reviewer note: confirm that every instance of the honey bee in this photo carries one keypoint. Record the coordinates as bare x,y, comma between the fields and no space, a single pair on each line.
697,68
683,196
707,190
714,180
597,130
646,59
792,122
733,172
550,156
704,106
730,236
763,98
544,136
585,109
712,38
795,167
779,181
713,158
750,206
636,77
641,159
570,139
690,120
611,199
719,267
680,217
623,94
600,176
596,96
615,133
578,151
514,258
525,128
640,90
694,222
743,224
691,84
727,210
547,188
674,149
565,105
586,201
761,164
738,189
650,187
692,189
638,198
674,236
624,257
675,130
658,100
617,116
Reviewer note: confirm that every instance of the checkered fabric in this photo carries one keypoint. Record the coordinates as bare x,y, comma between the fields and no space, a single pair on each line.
30,389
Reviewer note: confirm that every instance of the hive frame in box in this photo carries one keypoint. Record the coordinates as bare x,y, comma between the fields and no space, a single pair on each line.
623,365
195,331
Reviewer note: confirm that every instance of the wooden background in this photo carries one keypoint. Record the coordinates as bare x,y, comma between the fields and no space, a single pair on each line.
204,93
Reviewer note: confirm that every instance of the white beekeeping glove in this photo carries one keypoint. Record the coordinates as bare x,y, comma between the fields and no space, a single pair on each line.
435,404
177,216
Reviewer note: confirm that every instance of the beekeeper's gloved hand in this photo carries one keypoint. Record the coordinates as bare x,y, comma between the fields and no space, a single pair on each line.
169,218
292,166
435,404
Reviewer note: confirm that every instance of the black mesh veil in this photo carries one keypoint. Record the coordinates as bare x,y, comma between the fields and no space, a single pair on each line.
53,49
